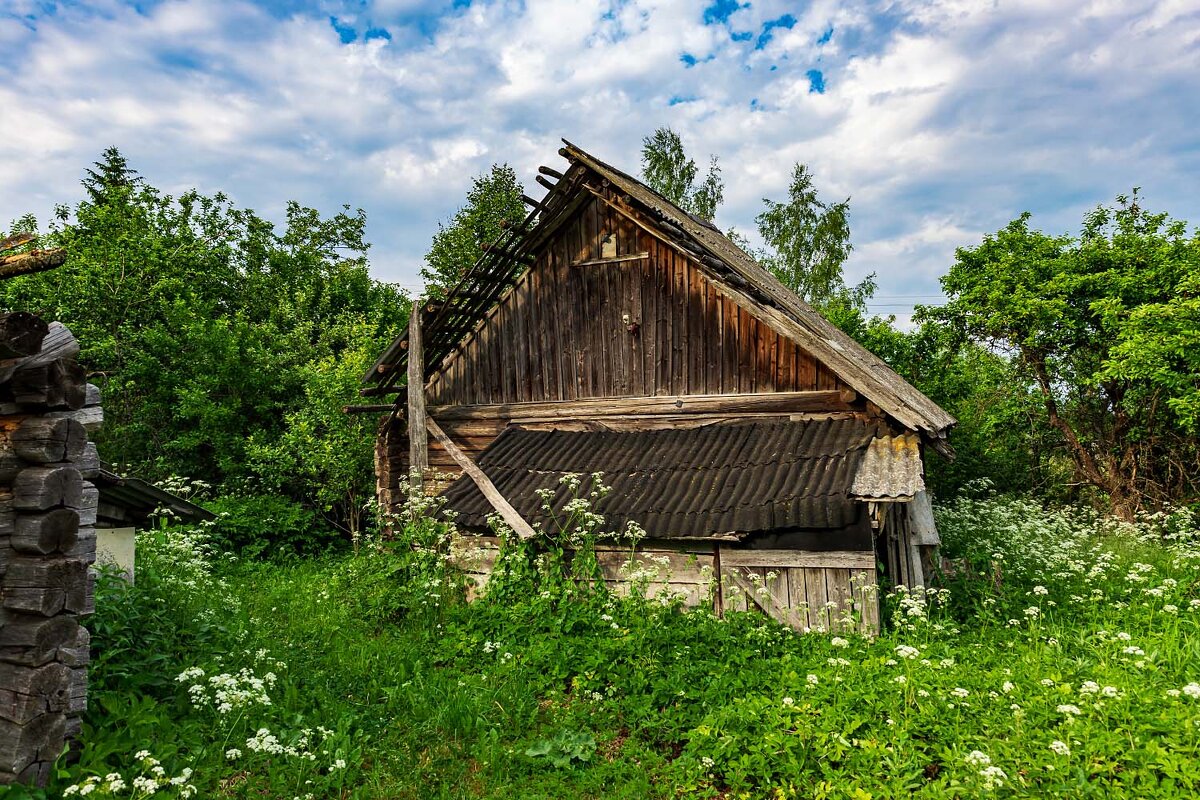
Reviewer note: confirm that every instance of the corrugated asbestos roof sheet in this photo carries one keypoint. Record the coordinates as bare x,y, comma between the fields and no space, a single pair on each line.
683,484
890,469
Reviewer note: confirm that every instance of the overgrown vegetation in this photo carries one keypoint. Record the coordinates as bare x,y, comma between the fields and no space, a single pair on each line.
225,347
1059,659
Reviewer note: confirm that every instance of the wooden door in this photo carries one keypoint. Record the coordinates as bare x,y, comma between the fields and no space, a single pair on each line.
807,590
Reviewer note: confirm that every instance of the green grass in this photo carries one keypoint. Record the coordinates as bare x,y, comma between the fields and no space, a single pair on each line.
548,692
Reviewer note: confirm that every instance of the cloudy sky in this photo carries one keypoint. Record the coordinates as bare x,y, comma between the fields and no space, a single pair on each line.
941,120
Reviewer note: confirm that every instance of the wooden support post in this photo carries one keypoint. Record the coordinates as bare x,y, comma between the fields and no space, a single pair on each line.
418,442
486,487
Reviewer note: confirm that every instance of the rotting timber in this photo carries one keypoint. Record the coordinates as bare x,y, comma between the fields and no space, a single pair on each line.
611,331
47,535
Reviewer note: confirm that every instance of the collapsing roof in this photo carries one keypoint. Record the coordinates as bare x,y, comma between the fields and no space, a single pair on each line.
698,483
446,323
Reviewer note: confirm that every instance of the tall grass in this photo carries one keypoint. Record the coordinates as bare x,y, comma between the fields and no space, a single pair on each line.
1059,659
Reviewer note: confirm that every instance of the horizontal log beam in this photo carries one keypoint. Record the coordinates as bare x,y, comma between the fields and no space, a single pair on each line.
31,262
796,559
776,402
378,408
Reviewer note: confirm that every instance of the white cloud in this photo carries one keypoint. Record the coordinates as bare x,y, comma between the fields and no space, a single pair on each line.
940,119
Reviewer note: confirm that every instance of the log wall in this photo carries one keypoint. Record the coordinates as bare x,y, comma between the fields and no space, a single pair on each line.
47,545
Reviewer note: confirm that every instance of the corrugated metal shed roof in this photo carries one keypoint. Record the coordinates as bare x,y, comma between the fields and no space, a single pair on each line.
890,469
683,484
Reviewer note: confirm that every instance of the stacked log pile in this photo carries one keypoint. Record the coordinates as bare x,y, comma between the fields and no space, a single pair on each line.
47,542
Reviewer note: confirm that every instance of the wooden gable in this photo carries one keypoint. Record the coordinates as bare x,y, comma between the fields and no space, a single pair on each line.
609,309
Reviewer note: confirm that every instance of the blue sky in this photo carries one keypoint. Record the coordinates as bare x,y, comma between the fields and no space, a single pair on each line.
940,120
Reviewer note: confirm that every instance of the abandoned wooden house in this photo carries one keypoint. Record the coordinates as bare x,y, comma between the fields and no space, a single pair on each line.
771,460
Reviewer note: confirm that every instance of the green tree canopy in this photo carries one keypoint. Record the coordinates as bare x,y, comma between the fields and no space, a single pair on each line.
807,240
202,322
1106,326
668,170
493,204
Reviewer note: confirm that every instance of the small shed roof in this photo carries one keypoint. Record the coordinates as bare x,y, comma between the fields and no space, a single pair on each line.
127,500
707,482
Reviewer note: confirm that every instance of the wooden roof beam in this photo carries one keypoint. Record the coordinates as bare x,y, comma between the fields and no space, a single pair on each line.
486,487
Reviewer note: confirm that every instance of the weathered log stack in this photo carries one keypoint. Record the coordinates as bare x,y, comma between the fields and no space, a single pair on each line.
47,542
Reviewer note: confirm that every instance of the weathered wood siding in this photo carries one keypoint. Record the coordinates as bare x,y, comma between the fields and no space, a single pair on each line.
821,592
666,570
561,332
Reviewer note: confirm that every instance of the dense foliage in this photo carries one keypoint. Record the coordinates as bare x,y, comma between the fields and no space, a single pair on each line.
668,170
220,342
1105,326
494,203
807,240
1059,660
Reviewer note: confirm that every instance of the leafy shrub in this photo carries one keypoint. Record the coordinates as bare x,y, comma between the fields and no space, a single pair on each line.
275,526
1073,674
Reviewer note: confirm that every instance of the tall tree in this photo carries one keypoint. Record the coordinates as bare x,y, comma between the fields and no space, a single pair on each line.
493,203
668,170
807,240
1106,327
110,174
202,322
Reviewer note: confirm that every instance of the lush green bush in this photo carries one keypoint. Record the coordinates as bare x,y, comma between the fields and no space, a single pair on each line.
269,525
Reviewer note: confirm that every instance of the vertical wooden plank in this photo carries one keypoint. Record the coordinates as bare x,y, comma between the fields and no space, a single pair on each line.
728,346
753,331
772,357
865,594
604,309
815,591
780,590
712,339
545,296
506,352
634,347
648,346
466,387
661,266
596,308
454,377
564,322
584,321
418,439
758,581
519,351
798,597
491,355
837,582
718,600
678,329
703,333
533,334
696,331
785,382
